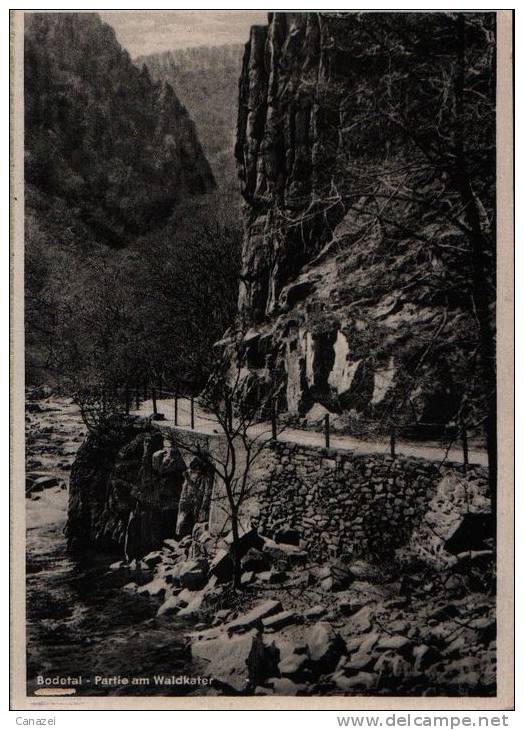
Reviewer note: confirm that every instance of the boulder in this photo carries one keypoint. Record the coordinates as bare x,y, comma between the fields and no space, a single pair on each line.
302,579
156,587
170,606
274,577
425,656
325,647
471,533
254,617
360,681
361,661
237,662
361,621
335,577
342,576
248,539
349,608
185,597
315,612
247,578
285,555
118,565
286,687
363,570
256,561
222,566
392,664
225,659
487,628
279,620
193,609
286,646
153,559
400,644
443,613
171,544
201,604
295,666
287,535
193,575
41,483
368,642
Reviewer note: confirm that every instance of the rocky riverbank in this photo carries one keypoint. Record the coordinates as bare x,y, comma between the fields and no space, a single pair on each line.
79,621
336,628
420,622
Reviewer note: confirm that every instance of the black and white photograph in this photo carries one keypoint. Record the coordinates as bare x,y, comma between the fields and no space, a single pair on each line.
261,347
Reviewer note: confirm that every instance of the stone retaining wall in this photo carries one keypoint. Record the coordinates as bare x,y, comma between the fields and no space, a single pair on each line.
343,502
340,501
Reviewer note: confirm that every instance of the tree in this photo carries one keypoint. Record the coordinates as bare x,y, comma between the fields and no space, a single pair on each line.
147,314
416,164
452,125
244,430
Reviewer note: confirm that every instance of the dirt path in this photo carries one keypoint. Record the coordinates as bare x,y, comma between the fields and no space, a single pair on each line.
206,423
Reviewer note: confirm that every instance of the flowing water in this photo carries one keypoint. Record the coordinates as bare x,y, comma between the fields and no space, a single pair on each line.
83,629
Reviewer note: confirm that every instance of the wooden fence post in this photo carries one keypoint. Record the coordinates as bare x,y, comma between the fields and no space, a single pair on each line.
392,442
192,412
326,429
465,449
176,405
127,399
137,398
145,389
153,393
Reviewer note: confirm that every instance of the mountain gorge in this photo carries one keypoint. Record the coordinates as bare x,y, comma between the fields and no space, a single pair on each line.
120,206
205,80
102,140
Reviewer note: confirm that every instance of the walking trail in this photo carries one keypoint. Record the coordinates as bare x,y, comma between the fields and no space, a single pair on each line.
206,423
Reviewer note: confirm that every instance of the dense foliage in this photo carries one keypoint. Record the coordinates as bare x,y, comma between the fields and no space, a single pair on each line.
148,313
99,134
131,266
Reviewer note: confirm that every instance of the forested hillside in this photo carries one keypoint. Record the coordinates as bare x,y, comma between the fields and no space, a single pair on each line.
100,134
117,188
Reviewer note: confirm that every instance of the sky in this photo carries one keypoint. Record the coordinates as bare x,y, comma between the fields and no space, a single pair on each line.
151,31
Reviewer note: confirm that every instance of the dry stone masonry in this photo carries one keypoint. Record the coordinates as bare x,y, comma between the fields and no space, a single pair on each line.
345,503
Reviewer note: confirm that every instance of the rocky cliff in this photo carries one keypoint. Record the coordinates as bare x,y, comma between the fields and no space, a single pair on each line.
129,491
354,290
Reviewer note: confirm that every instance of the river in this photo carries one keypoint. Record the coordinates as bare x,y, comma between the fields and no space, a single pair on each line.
80,621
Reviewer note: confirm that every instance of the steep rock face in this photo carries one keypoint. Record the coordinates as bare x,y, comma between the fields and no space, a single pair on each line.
118,150
125,490
341,306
